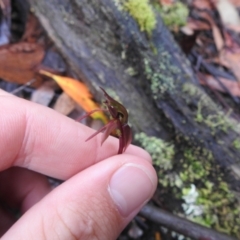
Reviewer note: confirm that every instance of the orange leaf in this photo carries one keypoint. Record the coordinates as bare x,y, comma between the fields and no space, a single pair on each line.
78,92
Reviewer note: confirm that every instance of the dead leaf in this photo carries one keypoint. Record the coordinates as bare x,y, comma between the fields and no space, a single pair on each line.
158,236
166,2
197,25
33,29
5,6
218,39
78,92
43,95
187,30
202,4
210,81
64,104
18,62
235,28
236,3
232,60
228,13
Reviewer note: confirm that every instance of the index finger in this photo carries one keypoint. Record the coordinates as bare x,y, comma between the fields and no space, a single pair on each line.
40,139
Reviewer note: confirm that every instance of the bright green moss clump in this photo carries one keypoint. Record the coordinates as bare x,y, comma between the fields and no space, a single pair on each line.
141,11
175,15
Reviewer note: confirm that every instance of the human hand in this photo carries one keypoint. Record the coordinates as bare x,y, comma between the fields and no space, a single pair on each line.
102,191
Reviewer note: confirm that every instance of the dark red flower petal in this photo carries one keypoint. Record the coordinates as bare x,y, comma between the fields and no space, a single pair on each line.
110,126
127,139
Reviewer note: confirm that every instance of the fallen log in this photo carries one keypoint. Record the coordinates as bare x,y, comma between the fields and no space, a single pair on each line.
104,47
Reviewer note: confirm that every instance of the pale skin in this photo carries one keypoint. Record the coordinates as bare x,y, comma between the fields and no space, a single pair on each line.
102,191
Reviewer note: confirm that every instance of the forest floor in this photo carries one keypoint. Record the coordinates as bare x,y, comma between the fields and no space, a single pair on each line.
207,32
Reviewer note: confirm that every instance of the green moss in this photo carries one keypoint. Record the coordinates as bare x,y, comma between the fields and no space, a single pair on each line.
141,11
190,88
215,118
236,144
193,168
208,199
161,151
196,92
163,78
218,120
175,15
162,154
131,71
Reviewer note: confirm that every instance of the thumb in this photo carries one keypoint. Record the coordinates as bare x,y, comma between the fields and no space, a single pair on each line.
96,203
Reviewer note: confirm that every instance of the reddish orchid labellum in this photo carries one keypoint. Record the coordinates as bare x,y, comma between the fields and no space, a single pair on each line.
118,123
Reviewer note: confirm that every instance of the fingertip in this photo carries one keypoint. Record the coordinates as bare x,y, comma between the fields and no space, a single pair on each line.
130,187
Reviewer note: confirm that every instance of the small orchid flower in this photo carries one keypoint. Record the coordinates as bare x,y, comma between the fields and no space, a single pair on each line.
118,123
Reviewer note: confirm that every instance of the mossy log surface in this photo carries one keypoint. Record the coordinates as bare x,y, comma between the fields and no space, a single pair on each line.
104,46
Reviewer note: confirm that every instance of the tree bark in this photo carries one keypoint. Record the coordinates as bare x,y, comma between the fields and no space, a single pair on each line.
149,73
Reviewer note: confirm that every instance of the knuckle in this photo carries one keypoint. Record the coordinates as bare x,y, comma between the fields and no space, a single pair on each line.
75,225
28,143
90,223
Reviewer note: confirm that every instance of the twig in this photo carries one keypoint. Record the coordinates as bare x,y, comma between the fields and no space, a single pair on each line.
23,86
181,225
213,71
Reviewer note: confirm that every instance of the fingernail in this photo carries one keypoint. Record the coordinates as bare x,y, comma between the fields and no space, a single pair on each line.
130,187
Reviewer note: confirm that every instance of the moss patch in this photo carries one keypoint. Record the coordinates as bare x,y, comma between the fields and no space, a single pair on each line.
197,182
206,111
162,79
219,121
236,144
175,15
141,11
161,152
208,199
